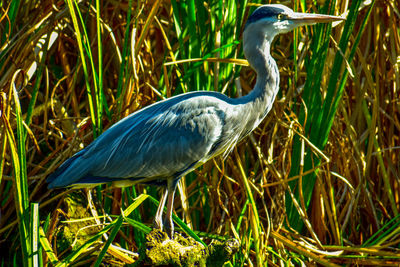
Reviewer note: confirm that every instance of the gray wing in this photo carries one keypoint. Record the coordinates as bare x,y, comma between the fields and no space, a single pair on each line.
165,140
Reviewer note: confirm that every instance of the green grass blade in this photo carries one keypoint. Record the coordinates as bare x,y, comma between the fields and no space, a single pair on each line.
387,230
116,224
187,230
117,227
74,255
42,57
138,225
44,242
18,155
385,178
34,234
99,68
320,113
12,15
130,193
194,44
81,46
98,92
308,116
334,95
124,66
254,217
5,114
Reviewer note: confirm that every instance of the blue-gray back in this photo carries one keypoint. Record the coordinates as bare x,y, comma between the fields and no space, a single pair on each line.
164,140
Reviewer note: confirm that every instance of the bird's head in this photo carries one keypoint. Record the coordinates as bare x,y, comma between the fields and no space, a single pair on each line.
274,19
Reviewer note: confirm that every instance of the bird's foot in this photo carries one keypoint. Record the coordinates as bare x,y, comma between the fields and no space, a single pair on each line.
158,224
166,226
169,228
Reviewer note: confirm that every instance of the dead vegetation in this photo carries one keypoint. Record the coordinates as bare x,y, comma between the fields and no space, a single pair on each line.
55,99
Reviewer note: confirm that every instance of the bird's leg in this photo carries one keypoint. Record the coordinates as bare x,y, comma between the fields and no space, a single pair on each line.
158,221
168,223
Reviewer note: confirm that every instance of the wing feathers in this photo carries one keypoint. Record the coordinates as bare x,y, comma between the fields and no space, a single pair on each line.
166,140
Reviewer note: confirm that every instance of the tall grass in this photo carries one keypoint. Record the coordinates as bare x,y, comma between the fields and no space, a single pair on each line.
317,182
317,114
18,155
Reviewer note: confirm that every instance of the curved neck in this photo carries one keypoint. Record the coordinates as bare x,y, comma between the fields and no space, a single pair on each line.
256,48
259,101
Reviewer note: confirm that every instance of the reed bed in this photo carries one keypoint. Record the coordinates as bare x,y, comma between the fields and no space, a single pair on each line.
317,183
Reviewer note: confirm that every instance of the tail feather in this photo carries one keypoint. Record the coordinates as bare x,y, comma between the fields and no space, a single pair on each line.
71,171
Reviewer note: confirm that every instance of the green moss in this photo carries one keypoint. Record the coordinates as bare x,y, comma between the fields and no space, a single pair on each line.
76,229
221,252
184,251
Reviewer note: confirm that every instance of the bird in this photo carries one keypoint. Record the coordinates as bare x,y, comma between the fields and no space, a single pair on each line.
164,141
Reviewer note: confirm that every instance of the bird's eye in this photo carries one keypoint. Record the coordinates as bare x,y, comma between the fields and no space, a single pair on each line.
281,16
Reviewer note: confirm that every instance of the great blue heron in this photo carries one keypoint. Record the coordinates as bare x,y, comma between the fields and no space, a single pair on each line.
168,139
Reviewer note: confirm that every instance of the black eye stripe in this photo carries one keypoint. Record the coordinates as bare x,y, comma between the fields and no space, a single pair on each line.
264,12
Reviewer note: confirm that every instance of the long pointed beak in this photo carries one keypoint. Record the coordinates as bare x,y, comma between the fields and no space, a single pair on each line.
305,18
